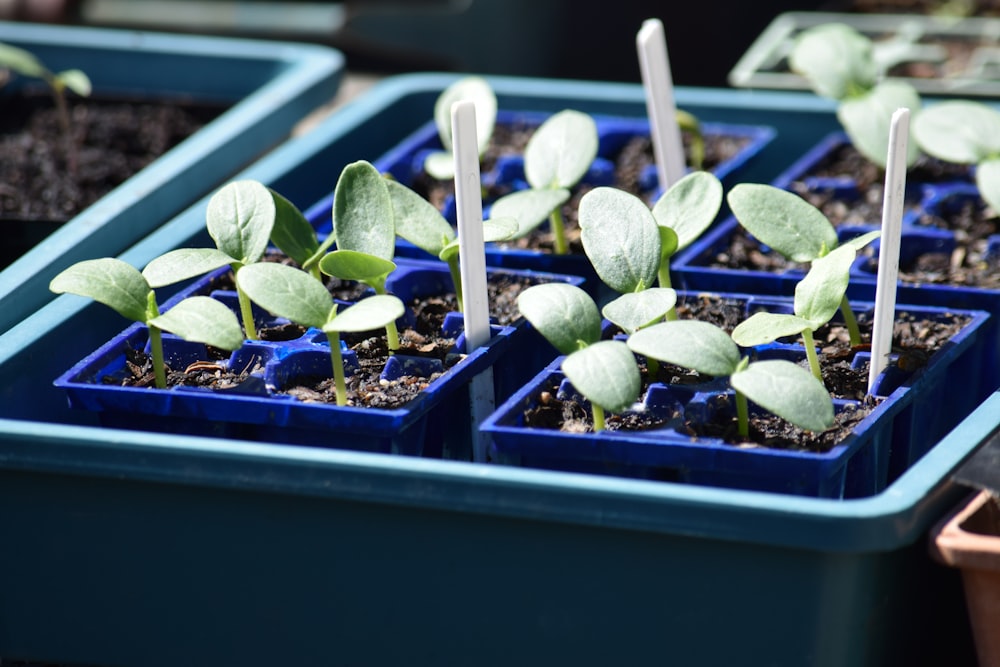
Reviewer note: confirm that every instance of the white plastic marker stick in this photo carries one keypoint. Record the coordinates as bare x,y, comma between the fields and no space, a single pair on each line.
661,108
472,262
888,254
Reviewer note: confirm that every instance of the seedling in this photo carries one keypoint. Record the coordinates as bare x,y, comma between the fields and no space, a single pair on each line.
964,132
291,293
604,371
123,288
817,297
239,218
840,63
441,164
26,64
794,228
780,387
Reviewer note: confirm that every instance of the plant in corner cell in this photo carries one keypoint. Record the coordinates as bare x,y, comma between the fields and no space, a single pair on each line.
123,288
778,386
557,156
26,64
239,217
794,228
603,371
441,164
291,293
964,132
842,64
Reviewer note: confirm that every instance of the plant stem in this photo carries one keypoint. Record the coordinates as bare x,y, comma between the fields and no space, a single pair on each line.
652,368
850,321
337,359
456,279
810,345
558,232
63,113
156,348
391,337
663,280
742,415
598,417
246,312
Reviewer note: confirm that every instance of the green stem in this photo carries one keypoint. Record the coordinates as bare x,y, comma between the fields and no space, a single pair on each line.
156,347
598,417
652,368
456,279
742,415
337,359
391,337
558,232
246,312
850,321
810,345
663,279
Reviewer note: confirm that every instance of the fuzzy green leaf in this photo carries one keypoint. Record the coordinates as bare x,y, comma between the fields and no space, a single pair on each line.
787,390
240,217
561,150
606,373
958,131
867,119
183,263
782,220
374,312
819,293
564,314
762,328
692,344
689,206
351,265
835,59
635,310
480,93
202,319
286,292
859,242
988,181
362,211
76,81
21,61
417,220
292,233
529,207
112,282
621,238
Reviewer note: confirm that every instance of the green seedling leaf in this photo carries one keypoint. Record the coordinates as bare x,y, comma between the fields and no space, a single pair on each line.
762,328
782,220
635,310
374,312
202,319
621,238
689,206
564,314
287,292
819,293
867,119
836,60
787,390
183,263
351,265
292,233
441,164
494,229
561,150
529,207
418,221
21,61
958,131
111,282
76,81
692,344
988,181
859,242
240,217
363,212
606,373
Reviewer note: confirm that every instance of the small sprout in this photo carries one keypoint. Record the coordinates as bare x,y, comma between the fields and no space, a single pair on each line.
683,213
441,164
26,64
605,372
794,228
291,293
239,217
780,387
964,132
840,63
556,158
121,287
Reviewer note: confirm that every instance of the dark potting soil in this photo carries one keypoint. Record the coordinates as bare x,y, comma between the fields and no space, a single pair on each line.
968,265
914,340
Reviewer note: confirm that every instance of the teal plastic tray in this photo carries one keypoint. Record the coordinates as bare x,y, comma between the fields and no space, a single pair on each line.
136,548
268,87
